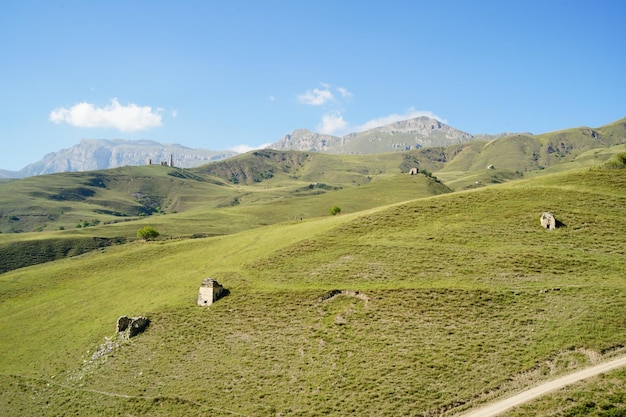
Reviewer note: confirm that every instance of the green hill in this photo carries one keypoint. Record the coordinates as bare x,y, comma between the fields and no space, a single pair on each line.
71,200
68,211
411,302
64,201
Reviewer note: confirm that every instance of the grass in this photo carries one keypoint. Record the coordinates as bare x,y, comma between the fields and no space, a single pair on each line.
212,214
581,399
462,297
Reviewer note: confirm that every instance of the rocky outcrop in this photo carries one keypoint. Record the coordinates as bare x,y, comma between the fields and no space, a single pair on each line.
398,136
305,140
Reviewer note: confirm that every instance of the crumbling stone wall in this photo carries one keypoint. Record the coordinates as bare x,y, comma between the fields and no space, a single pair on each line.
132,326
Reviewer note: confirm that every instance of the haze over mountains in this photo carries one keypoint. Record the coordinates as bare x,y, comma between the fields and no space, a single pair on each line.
92,154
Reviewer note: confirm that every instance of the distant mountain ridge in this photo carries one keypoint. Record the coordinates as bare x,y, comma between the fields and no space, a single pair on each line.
403,135
94,154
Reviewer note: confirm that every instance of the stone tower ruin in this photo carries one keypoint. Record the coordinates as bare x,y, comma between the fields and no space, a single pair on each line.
548,221
210,291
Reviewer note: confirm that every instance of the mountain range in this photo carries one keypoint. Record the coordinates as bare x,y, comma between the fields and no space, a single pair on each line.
93,154
403,135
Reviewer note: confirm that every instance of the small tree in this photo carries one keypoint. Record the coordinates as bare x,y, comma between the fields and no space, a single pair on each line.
147,233
334,210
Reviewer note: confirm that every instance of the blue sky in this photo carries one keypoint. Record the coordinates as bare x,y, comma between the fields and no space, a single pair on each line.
226,74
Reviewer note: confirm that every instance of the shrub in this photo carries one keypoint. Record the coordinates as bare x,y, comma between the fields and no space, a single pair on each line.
619,162
148,233
334,210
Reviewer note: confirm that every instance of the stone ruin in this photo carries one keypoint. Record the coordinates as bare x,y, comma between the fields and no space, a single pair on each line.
132,326
548,221
413,171
210,292
348,293
168,163
126,328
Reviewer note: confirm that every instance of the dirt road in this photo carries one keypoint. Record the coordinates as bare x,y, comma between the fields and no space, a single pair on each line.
507,403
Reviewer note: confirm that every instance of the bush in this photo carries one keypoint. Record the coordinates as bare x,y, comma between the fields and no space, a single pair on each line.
619,162
334,210
147,233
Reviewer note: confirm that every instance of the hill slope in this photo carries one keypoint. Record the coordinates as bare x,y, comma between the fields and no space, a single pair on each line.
70,213
446,302
117,195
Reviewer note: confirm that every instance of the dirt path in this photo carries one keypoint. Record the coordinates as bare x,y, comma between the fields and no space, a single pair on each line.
508,403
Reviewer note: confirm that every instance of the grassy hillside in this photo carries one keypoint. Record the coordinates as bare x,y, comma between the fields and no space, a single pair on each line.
516,155
449,301
75,200
69,200
69,212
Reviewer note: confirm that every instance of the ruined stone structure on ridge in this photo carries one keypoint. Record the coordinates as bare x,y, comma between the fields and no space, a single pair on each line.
413,171
169,163
210,291
548,221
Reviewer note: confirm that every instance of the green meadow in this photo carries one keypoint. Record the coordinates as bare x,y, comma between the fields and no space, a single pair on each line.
422,297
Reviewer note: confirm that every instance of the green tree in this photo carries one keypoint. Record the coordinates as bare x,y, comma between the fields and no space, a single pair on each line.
334,210
148,233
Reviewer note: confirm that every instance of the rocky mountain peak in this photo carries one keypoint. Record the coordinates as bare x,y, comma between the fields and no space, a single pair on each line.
401,135
93,154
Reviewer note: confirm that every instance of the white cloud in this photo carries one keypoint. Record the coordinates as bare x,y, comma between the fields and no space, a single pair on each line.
392,118
127,118
344,92
272,98
316,97
247,148
332,123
